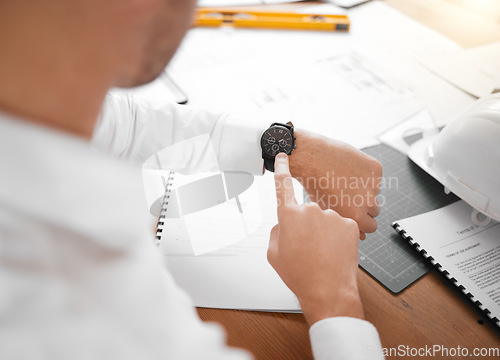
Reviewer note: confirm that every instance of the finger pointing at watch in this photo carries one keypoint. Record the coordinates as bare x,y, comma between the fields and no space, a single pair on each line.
315,252
285,194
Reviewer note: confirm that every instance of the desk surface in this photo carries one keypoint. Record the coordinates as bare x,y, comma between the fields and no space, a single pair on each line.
431,311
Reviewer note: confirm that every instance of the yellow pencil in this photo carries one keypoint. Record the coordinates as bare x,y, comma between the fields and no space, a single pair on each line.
215,17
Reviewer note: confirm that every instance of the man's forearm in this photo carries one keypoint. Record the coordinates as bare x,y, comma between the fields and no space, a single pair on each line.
136,130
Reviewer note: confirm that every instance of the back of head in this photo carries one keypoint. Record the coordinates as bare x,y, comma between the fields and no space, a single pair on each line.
64,55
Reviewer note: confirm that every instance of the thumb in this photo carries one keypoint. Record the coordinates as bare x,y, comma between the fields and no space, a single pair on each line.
272,250
275,230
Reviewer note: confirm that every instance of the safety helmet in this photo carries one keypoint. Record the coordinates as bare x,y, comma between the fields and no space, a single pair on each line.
465,157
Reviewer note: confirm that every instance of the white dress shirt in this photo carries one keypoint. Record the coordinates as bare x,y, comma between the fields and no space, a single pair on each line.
80,277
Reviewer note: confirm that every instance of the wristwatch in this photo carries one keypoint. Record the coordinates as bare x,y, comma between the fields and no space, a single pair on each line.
277,138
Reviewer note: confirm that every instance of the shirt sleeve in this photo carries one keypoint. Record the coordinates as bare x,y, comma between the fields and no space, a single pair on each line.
183,138
345,338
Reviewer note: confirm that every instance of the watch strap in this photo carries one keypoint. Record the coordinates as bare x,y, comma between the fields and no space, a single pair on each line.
269,164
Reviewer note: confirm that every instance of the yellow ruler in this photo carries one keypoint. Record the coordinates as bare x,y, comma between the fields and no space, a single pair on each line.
215,17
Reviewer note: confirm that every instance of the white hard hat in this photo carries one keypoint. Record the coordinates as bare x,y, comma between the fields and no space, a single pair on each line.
465,157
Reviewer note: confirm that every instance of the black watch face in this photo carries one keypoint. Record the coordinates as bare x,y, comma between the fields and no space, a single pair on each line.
275,140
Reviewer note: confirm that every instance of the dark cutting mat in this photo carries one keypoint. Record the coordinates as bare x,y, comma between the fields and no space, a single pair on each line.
384,254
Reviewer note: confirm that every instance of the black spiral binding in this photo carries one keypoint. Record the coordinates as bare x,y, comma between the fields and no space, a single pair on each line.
438,266
164,207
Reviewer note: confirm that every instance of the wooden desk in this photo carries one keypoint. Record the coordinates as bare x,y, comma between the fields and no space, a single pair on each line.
431,311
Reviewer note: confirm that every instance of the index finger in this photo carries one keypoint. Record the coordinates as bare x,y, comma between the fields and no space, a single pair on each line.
283,182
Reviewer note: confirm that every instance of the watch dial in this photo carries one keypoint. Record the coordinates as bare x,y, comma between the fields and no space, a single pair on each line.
275,140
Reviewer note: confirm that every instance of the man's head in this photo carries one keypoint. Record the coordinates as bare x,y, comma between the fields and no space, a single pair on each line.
145,35
63,53
138,36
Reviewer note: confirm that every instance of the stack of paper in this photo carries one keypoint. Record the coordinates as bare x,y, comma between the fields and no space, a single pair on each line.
467,254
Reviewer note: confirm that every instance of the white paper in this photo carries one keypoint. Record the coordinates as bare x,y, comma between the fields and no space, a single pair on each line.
232,282
470,254
219,254
216,223
226,223
486,58
352,86
457,68
317,80
417,124
398,44
347,3
391,32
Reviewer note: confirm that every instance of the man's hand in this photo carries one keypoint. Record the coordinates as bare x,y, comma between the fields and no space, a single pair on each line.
338,176
315,252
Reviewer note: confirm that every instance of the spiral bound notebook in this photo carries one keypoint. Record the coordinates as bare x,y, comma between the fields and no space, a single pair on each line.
213,232
467,254
167,183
